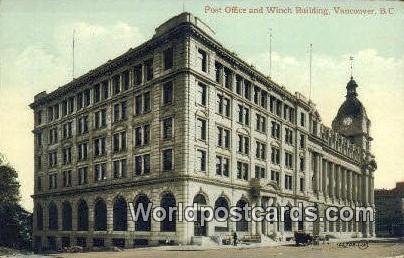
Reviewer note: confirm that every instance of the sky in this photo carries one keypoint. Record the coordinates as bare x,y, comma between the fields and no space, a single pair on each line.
36,55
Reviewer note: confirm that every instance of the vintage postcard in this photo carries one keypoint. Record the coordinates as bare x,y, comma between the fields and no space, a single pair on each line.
188,128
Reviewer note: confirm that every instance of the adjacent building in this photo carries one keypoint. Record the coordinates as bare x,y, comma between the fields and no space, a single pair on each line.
182,119
389,205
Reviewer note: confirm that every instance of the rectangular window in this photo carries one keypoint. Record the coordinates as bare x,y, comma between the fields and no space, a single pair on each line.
223,137
257,92
64,108
120,111
288,136
83,125
168,58
168,128
70,105
261,124
99,147
301,184
100,172
276,130
116,87
142,164
82,151
247,89
261,150
38,117
288,182
125,80
119,141
67,130
137,74
148,69
239,85
203,60
275,176
138,104
201,160
218,72
243,144
302,119
86,98
142,135
105,90
264,99
168,93
302,164
67,155
100,118
52,158
223,105
288,160
242,170
201,129
243,115
96,93
67,178
228,78
79,100
119,168
202,93
275,156
146,102
259,172
222,166
53,181
82,176
167,156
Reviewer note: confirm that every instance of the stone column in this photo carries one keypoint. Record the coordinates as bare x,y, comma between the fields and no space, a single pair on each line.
258,224
349,192
359,177
318,173
337,182
332,181
325,177
343,183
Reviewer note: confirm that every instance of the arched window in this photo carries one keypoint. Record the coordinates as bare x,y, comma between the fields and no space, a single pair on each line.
169,223
53,216
142,224
100,216
82,216
222,226
39,217
66,216
120,214
199,228
242,224
287,226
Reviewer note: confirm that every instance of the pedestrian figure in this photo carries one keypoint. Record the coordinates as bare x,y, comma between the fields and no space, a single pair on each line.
234,238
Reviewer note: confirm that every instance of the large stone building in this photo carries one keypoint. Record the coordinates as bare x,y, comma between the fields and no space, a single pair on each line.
389,206
182,119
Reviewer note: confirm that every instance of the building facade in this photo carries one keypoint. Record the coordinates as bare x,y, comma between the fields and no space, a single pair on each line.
389,205
182,119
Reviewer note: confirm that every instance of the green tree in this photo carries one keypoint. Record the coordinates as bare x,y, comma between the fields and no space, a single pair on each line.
9,185
15,221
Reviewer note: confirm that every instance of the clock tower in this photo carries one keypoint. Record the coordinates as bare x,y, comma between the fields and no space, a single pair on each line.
351,120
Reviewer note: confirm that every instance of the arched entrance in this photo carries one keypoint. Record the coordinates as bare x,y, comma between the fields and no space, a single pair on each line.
242,224
120,214
200,229
142,224
221,205
100,215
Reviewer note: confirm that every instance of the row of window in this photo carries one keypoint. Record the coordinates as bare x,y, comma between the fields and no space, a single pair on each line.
119,82
119,170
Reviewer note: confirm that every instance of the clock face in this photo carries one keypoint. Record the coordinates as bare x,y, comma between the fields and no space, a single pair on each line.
347,121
